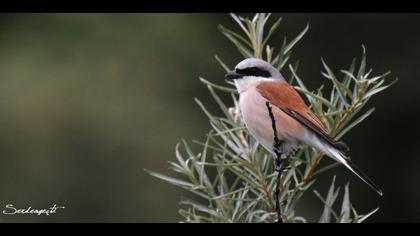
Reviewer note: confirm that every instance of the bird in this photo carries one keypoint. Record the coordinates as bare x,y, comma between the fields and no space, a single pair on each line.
296,126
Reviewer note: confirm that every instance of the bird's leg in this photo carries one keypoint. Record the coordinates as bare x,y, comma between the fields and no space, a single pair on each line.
278,164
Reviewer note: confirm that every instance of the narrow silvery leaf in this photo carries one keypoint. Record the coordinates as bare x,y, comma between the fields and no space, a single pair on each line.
239,204
374,79
332,77
300,219
219,101
315,96
326,168
300,82
236,18
325,217
179,156
354,123
245,52
362,64
283,62
349,75
363,218
234,34
208,114
295,68
328,203
200,207
272,29
279,58
346,206
225,67
375,91
242,48
347,80
262,19
204,180
187,148
296,39
176,167
171,180
269,53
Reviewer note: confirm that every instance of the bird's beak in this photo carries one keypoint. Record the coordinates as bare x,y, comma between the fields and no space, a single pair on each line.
233,75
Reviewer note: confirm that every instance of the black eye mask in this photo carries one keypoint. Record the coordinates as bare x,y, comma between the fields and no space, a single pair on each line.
253,71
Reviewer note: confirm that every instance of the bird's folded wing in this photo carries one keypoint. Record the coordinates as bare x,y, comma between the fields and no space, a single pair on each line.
285,97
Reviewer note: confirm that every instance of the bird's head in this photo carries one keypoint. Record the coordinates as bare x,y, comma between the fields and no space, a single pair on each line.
251,71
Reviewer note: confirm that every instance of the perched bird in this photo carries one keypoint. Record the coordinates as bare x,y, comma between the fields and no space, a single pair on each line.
258,82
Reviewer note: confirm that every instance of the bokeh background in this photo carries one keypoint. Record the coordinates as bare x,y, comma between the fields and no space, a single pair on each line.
88,101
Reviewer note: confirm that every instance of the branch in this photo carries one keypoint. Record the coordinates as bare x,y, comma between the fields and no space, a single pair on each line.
279,164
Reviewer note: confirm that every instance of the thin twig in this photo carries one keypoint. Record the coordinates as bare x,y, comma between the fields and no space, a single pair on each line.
279,163
313,167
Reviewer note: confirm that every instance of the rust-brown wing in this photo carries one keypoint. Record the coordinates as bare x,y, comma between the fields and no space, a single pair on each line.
285,97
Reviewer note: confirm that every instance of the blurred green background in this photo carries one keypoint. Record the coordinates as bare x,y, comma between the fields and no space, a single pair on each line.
88,101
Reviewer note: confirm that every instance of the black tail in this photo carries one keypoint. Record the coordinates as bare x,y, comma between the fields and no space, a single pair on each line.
363,176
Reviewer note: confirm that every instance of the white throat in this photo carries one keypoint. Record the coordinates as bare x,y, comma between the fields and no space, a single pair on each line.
247,82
